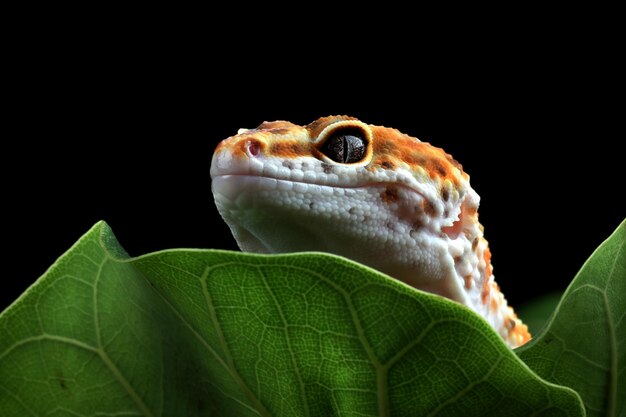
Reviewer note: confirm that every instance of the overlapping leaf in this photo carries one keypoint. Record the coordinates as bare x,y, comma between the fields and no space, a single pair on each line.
202,333
584,345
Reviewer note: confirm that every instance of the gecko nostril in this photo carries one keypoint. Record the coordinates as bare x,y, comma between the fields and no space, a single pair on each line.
254,149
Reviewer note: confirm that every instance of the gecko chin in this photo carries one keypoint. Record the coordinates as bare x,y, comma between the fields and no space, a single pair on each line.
268,215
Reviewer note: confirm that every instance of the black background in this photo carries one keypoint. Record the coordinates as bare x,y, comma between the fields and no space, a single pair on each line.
122,130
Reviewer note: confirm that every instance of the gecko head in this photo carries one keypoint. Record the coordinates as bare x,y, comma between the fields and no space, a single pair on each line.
339,185
366,192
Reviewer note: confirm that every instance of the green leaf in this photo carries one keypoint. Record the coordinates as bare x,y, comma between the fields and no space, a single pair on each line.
584,345
214,333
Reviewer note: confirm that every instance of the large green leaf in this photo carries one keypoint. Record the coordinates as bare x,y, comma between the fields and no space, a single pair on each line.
203,333
584,345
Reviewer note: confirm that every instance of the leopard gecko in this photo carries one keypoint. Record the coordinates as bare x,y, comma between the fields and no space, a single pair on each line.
369,193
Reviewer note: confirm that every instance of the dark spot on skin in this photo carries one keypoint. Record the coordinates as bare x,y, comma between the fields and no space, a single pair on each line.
327,168
439,168
446,213
311,205
445,194
475,243
280,131
387,164
457,259
429,208
288,164
351,210
415,158
305,165
366,219
389,226
416,226
390,195
510,324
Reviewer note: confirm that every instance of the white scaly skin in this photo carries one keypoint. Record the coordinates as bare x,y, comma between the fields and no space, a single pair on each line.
402,206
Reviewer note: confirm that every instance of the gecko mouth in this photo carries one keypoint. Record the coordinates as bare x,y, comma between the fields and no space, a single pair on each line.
242,179
224,164
236,175
232,186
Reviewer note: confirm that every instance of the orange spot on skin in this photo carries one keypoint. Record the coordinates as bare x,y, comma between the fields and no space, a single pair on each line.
468,281
494,305
488,267
488,271
289,149
484,295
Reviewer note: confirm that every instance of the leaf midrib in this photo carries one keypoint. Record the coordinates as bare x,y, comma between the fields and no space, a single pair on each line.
117,373
260,408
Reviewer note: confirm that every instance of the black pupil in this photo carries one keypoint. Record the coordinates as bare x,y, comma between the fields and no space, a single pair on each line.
345,147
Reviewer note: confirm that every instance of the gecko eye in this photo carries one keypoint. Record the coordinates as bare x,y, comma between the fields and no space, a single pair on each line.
345,146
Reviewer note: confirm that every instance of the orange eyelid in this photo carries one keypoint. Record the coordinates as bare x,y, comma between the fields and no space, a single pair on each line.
316,127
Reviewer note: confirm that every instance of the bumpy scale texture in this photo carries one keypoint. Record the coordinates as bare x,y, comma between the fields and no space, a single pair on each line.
369,193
